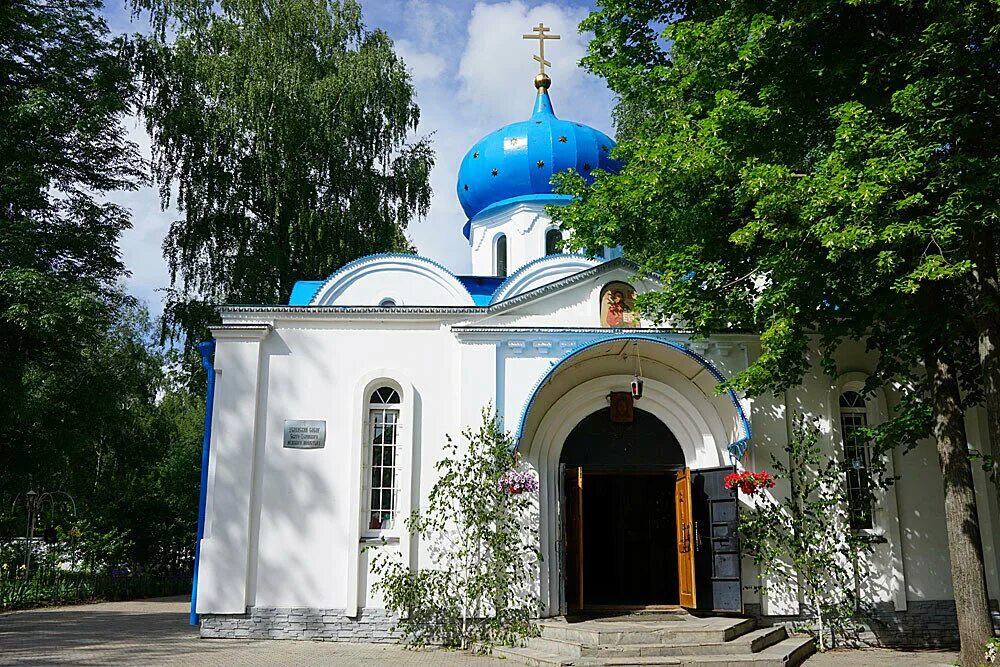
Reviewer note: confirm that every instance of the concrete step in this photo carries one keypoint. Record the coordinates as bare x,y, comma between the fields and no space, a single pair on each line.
690,630
752,642
789,652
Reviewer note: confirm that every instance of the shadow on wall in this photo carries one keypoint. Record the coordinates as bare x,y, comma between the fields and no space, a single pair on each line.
294,497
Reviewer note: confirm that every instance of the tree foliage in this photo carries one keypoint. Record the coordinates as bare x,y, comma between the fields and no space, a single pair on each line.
478,591
85,406
815,173
285,130
808,530
63,91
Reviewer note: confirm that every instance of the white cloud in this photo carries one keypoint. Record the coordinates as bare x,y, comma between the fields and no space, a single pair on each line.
497,64
423,66
493,80
141,246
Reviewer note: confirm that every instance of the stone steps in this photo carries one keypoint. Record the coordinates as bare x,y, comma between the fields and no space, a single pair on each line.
714,641
752,642
687,630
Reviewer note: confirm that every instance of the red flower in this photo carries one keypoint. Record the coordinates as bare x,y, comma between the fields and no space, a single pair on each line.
749,482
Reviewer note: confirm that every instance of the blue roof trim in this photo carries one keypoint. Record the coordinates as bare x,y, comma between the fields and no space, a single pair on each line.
379,255
736,449
303,292
537,260
481,287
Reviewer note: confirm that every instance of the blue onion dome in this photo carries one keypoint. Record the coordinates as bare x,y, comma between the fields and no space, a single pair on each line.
518,161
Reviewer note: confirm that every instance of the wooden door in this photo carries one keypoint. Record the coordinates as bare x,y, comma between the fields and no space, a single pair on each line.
685,539
574,538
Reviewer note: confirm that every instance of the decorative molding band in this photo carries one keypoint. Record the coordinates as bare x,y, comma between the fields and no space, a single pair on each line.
249,332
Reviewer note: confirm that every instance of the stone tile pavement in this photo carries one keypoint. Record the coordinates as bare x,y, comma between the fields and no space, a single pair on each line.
882,658
155,632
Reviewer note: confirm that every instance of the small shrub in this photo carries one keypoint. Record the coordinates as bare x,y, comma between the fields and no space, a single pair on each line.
478,589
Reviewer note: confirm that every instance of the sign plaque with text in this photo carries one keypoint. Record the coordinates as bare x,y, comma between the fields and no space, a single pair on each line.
305,433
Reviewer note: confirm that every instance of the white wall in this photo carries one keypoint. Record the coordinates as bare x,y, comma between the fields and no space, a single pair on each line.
283,525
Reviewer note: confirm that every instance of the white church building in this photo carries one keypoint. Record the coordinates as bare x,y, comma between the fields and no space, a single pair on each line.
329,413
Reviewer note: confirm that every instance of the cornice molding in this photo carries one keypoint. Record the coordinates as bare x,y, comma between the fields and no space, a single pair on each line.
241,332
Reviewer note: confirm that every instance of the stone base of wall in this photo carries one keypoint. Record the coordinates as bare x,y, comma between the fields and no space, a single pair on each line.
370,625
924,624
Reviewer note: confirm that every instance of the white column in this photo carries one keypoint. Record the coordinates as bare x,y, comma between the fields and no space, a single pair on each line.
225,548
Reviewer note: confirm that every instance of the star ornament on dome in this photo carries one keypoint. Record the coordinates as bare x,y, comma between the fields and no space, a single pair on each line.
539,34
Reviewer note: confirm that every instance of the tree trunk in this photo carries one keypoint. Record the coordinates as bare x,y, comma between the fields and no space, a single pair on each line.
975,626
986,293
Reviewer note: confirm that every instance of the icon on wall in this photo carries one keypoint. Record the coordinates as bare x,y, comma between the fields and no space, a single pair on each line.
622,407
618,306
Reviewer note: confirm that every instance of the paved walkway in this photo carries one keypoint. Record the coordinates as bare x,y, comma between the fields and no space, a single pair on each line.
882,658
155,632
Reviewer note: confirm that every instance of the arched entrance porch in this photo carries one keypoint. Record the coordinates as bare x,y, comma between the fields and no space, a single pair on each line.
679,392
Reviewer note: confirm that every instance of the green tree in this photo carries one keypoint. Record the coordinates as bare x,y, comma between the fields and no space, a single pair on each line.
478,591
63,91
285,128
810,530
817,173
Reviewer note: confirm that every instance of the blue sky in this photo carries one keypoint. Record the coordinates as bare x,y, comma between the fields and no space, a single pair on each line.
472,73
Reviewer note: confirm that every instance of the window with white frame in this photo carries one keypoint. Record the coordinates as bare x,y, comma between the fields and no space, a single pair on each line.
853,417
383,458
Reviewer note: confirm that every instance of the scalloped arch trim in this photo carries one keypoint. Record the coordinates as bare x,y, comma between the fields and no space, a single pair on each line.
737,448
437,286
540,272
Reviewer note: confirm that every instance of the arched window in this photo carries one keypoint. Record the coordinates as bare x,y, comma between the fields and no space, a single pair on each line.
501,250
382,458
553,238
854,416
387,302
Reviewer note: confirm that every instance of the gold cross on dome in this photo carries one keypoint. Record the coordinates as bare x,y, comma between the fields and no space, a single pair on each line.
540,35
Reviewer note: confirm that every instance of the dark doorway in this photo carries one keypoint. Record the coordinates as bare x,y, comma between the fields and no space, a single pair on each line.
644,445
623,548
629,548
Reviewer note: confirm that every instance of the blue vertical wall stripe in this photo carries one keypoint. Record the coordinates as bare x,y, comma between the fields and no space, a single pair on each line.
207,350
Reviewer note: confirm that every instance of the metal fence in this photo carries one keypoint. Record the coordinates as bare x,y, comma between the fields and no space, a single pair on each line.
52,586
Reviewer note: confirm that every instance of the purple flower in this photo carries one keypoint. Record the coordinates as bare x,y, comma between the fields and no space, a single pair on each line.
518,481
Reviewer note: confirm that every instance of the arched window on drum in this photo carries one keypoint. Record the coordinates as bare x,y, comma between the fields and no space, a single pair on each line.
501,256
553,242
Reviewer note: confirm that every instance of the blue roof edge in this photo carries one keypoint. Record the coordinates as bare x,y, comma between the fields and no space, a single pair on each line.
303,292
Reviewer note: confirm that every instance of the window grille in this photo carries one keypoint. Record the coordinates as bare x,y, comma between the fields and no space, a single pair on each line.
383,432
854,416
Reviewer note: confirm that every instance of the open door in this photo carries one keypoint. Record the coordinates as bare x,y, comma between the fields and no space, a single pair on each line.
685,539
574,538
717,541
